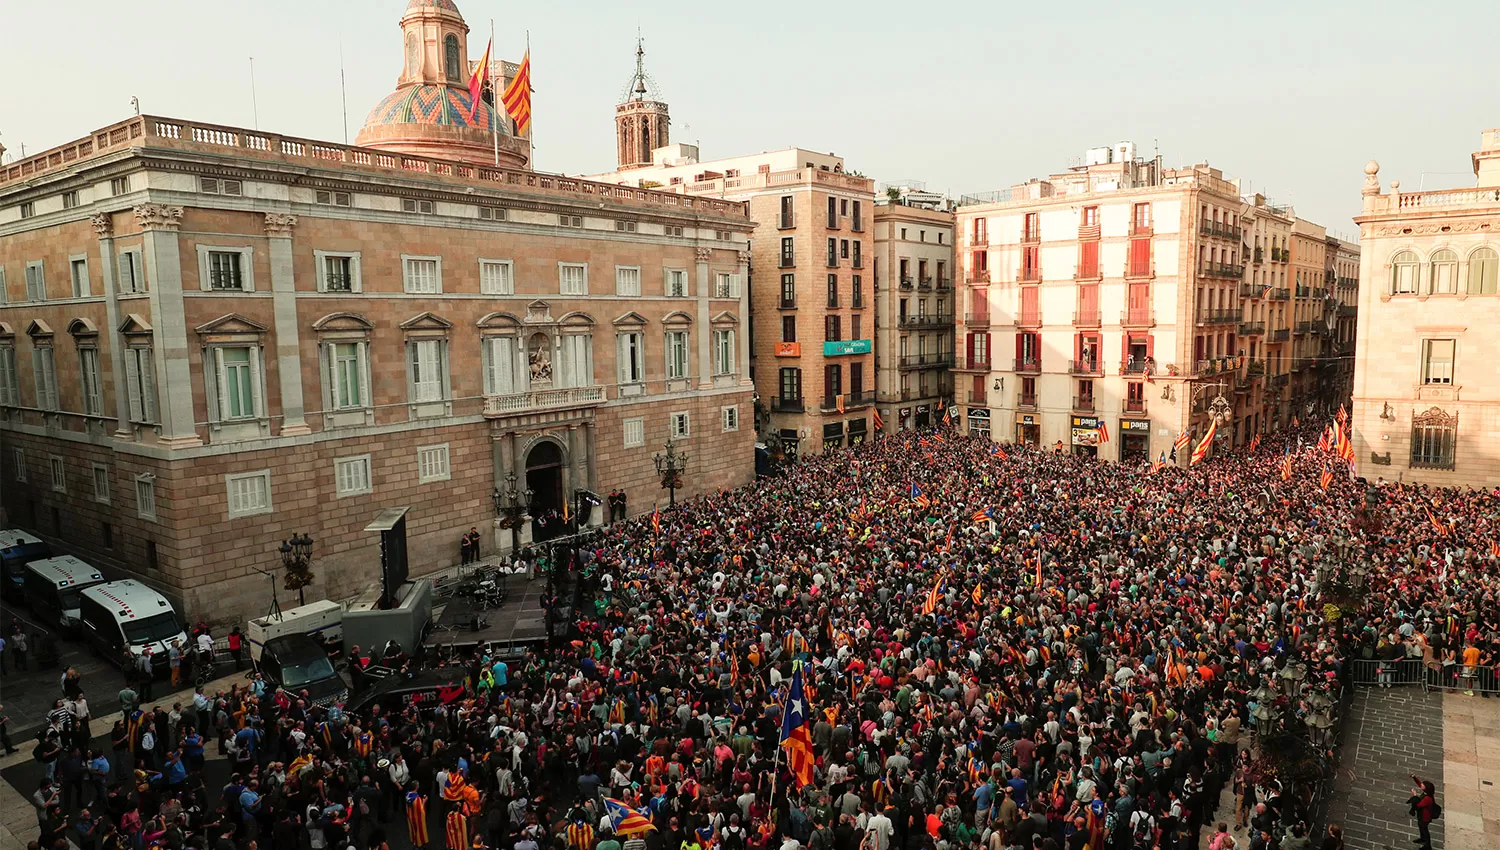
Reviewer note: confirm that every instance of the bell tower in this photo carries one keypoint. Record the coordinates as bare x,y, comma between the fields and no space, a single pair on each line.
642,122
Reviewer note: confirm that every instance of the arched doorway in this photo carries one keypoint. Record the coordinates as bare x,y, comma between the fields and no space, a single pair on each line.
544,467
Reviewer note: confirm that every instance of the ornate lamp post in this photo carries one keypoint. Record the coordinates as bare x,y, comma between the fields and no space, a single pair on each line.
1291,678
296,557
670,467
512,505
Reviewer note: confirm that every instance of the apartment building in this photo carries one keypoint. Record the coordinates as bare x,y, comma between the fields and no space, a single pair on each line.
913,281
213,337
1426,389
1339,317
812,317
1140,301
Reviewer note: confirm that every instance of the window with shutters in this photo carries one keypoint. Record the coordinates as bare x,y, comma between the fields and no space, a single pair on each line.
731,417
140,382
1139,264
677,354
249,493
351,476
432,464
347,371
427,366
496,277
36,281
132,275
1404,268
59,474
145,496
791,384
724,352
788,253
725,285
788,291
10,391
421,275
832,329
788,328
338,272
100,474
1437,361
1484,264
78,268
119,186
505,371
225,270
331,199
237,381
833,292
833,382
635,432
573,278
18,465
786,218
1088,259
833,253
678,426
676,283
628,281
632,357
44,375
93,392
1443,273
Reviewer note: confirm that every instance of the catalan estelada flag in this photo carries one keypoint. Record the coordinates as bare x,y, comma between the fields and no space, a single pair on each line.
916,496
1201,450
1286,465
978,594
623,820
999,452
983,514
476,81
1160,462
416,819
1326,478
1441,529
1182,442
1103,431
517,98
796,733
1495,550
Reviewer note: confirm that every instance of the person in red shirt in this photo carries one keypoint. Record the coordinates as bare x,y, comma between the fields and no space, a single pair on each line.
1425,808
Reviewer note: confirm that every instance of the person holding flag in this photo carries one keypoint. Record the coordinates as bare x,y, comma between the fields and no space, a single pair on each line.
1201,451
796,729
416,816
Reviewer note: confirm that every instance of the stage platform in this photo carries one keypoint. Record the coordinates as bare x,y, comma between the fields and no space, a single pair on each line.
519,623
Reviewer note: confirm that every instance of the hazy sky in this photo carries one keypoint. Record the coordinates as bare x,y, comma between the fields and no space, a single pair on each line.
965,95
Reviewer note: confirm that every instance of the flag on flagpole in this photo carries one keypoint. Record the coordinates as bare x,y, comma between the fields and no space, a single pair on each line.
623,820
1160,462
1255,442
1182,442
932,595
656,520
879,421
1103,431
1039,570
1326,478
796,734
1325,442
1201,450
517,98
947,416
1341,415
476,80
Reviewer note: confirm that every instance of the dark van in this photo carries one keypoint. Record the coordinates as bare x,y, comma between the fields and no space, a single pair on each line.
17,549
425,689
297,663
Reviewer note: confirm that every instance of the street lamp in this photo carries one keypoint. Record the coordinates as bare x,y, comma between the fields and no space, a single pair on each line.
512,504
670,467
296,557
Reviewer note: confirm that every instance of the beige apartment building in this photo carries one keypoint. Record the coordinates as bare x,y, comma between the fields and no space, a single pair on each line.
1339,317
1116,305
913,273
213,337
1426,387
812,315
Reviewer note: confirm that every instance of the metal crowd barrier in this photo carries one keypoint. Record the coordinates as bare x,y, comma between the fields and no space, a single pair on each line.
1381,673
1449,677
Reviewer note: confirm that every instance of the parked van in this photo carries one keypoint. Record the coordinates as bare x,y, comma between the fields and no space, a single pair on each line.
17,549
53,587
120,614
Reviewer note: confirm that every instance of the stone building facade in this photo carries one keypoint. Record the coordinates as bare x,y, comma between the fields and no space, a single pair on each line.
913,273
1426,388
211,338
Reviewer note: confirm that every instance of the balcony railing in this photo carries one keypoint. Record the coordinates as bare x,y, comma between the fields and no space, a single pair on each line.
1218,317
1210,367
1134,366
1281,334
1139,318
1088,272
1280,381
1260,255
786,222
1083,402
944,284
1086,319
1255,368
1304,327
1279,255
1304,291
1028,365
1135,405
1251,290
977,320
1347,311
786,405
507,405
1029,320
787,263
981,276
936,321
1085,367
973,364
830,403
1222,270
925,361
1030,237
1252,328
788,303
1088,231
1214,228
1138,270
1032,275
1026,400
978,397
1280,294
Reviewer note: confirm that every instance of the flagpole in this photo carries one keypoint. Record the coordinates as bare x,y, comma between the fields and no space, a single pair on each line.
489,73
530,148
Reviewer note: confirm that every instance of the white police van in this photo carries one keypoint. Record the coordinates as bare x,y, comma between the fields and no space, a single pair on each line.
54,586
127,614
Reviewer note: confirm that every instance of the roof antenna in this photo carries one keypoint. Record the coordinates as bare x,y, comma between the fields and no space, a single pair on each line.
640,65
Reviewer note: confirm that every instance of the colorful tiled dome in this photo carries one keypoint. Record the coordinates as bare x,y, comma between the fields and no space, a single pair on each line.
445,5
430,104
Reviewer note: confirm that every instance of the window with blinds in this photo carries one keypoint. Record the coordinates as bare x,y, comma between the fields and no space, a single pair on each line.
503,366
140,383
426,357
495,278
420,275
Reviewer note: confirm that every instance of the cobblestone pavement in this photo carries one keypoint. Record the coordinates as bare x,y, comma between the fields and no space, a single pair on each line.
1391,734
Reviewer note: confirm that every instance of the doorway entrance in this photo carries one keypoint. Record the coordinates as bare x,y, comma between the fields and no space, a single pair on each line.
544,466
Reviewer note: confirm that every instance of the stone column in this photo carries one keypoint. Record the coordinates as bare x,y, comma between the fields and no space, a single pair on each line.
288,336
742,333
591,471
575,461
497,482
104,226
174,377
704,332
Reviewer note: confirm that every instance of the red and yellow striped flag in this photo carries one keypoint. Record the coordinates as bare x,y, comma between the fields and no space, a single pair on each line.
1201,450
1326,478
932,595
476,81
517,98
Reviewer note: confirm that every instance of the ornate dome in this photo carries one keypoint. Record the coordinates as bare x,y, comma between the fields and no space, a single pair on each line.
431,104
445,5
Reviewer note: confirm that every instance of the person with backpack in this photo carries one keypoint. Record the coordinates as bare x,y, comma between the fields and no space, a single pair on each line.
1425,808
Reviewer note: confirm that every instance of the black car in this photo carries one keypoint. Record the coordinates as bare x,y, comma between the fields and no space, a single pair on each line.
298,663
425,689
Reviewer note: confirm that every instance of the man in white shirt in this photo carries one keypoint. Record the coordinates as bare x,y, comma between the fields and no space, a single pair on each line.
881,827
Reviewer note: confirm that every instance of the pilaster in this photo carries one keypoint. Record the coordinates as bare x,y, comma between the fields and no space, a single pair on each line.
704,332
742,332
104,226
174,377
279,228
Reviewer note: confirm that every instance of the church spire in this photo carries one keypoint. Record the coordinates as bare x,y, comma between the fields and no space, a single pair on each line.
639,92
642,123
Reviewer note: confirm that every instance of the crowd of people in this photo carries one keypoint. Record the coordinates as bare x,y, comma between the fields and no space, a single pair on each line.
997,647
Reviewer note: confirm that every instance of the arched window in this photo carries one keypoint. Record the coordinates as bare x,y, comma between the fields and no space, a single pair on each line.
450,57
1442,273
1404,267
1483,266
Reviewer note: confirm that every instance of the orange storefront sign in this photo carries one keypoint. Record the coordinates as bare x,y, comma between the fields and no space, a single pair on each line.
788,349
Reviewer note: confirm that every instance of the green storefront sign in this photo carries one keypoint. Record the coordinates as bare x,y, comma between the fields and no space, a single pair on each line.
848,346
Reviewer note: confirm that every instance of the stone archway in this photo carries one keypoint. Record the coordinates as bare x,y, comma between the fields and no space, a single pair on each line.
544,477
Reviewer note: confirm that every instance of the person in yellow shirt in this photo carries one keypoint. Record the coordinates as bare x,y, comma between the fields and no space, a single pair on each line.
1471,667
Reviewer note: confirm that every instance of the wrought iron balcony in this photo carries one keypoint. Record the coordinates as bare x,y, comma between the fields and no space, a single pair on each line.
1086,318
1028,365
1083,402
1139,318
1085,367
977,320
1281,334
1252,328
786,405
1135,405
1218,317
1026,400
